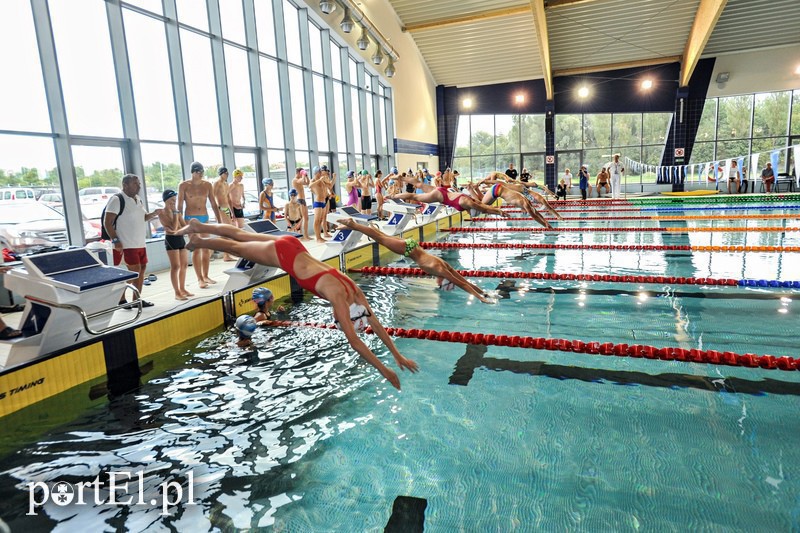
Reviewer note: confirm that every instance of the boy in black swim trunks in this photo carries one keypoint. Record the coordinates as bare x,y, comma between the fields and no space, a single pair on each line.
293,212
171,219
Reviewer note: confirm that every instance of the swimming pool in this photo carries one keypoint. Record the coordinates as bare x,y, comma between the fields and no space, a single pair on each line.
302,436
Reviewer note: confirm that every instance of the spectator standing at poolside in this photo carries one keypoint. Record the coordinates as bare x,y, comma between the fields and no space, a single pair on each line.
511,172
125,222
743,186
195,193
768,177
568,180
583,183
300,182
221,190
525,177
236,199
615,170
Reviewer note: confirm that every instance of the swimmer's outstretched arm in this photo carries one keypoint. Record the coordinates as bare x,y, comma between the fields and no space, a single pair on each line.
394,244
438,267
547,205
223,230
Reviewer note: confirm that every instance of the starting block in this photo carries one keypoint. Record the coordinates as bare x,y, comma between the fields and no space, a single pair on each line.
431,211
245,272
67,297
347,239
397,223
396,206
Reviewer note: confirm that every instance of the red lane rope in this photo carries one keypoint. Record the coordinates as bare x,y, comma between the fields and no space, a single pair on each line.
618,230
670,218
669,353
672,280
550,217
615,247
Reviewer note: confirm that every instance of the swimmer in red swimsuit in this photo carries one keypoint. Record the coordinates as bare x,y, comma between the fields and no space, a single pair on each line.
457,200
350,307
435,266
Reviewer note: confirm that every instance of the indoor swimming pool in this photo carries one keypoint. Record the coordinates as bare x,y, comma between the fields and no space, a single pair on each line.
300,435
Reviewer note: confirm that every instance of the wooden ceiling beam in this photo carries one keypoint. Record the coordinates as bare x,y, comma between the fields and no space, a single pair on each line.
543,44
617,66
561,3
466,19
708,13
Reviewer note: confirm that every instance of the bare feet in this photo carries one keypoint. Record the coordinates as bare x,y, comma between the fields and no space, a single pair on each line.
190,227
323,241
180,297
210,281
187,294
202,285
228,258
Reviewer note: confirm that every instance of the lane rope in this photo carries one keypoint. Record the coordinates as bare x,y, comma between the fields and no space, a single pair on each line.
639,351
613,247
725,229
649,217
589,209
612,278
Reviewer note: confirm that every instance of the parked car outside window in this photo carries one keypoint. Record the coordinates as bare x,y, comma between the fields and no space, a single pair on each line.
92,195
28,227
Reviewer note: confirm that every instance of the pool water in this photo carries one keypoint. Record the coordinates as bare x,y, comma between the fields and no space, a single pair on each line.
300,435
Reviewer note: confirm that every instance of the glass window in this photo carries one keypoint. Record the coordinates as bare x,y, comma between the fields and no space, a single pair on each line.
231,14
651,155
162,170
370,123
315,40
98,171
265,26
483,165
277,166
771,114
336,61
462,137
238,76
200,88
627,130
733,148
149,61
702,152
339,119
356,120
342,171
532,133
81,36
734,117
26,160
569,132
210,157
462,165
706,131
292,30
273,116
768,144
193,13
150,5
796,113
296,89
482,141
23,106
597,131
385,107
656,128
506,134
321,114
353,71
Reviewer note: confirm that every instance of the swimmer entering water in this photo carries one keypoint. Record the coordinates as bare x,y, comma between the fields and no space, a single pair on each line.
351,310
446,276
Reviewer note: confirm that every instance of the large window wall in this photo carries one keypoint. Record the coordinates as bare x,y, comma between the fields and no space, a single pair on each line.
490,142
261,85
737,126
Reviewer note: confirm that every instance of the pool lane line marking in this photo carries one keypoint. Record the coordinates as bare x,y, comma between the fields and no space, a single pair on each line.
666,218
680,230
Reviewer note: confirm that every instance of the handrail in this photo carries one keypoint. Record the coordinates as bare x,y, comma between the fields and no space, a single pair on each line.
85,318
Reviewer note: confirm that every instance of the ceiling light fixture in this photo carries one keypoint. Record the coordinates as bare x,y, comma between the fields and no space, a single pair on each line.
723,77
467,103
327,7
520,98
347,23
390,68
377,57
647,84
583,92
363,41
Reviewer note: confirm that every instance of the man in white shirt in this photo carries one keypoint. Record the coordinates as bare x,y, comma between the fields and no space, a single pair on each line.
616,169
125,222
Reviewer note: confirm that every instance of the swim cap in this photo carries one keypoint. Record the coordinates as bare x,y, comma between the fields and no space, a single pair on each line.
262,295
358,316
446,284
293,192
364,172
196,167
222,170
394,170
267,181
323,168
391,182
237,173
315,171
169,193
303,172
351,173
246,326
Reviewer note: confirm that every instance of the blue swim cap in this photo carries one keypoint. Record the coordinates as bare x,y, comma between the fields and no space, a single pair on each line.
394,170
246,326
262,295
266,181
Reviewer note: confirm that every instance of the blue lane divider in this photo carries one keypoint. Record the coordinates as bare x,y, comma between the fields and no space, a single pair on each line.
769,283
711,207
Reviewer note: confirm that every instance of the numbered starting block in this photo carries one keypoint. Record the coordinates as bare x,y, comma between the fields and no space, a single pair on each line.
431,211
67,297
346,239
397,223
245,272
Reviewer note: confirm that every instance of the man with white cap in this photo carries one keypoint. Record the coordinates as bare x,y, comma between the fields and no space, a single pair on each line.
616,169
